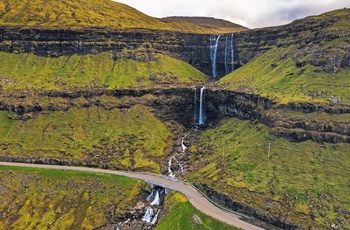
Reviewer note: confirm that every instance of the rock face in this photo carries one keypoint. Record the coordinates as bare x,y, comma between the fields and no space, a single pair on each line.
183,104
254,107
191,48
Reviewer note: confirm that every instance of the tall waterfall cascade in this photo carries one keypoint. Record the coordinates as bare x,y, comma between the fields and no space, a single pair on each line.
201,107
222,55
195,106
214,41
229,54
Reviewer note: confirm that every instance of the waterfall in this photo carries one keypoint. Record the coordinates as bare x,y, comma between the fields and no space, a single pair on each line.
201,112
156,200
232,54
155,218
151,196
195,106
171,174
229,54
157,196
184,147
226,48
213,50
148,215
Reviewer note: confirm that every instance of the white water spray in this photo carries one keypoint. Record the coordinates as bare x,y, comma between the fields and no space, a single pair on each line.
229,54
148,215
155,218
171,174
156,200
195,106
150,196
232,54
184,147
213,50
201,113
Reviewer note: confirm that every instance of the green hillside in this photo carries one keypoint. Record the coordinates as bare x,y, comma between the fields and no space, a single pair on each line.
222,26
54,199
31,72
86,13
302,183
126,139
182,215
282,80
308,66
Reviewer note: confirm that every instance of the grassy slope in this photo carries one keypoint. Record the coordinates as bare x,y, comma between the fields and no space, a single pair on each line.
222,26
316,174
130,139
28,71
42,199
275,73
85,13
282,80
184,216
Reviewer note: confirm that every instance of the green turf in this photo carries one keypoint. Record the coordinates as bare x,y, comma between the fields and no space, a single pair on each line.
302,176
31,72
89,13
55,199
130,139
184,216
281,80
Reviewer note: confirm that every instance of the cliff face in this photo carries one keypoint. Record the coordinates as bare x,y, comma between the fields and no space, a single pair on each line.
192,48
302,122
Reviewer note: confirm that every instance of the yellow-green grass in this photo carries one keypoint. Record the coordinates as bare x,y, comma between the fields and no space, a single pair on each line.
86,13
342,21
55,199
309,118
31,72
130,139
281,80
184,216
306,177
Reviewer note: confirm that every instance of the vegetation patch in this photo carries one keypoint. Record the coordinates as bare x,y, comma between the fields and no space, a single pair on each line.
182,215
56,199
31,72
307,180
128,139
88,13
276,74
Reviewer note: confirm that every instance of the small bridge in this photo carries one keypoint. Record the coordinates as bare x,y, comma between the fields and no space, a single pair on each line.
167,188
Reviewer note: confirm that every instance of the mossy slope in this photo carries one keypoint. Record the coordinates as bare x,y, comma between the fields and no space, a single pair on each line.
128,139
85,13
54,199
303,184
184,216
311,64
31,72
275,74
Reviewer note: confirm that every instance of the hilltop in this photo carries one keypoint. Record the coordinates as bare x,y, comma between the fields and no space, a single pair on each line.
84,13
221,25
